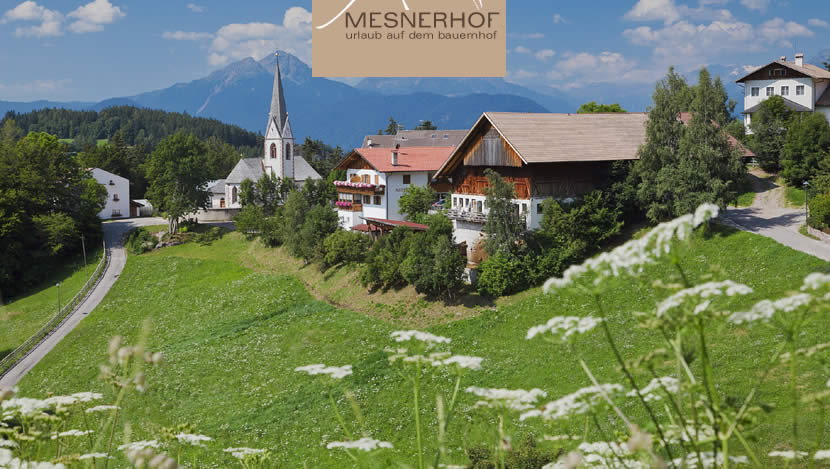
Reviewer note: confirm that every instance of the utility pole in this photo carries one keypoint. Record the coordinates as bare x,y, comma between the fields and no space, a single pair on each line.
83,248
59,296
806,203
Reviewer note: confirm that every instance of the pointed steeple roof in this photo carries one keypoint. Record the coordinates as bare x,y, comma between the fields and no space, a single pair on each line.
278,111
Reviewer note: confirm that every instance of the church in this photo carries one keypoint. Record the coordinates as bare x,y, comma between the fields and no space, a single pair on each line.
279,157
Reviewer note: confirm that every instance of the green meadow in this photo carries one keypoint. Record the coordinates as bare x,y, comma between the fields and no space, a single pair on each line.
233,324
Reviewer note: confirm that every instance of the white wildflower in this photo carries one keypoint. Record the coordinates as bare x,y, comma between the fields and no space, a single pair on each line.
789,454
707,460
766,309
94,456
25,406
242,453
815,281
573,404
71,433
822,454
650,393
565,326
515,399
701,434
139,445
102,408
603,448
571,460
463,361
190,439
87,396
336,372
363,444
632,256
8,444
404,336
61,400
702,291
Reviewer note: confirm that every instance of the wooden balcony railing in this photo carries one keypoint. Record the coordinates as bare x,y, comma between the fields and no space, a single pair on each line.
351,208
473,217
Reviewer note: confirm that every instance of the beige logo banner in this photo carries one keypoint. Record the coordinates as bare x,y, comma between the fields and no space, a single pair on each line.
409,38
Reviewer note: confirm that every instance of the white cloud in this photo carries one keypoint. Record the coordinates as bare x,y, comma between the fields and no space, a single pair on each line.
186,36
238,41
780,31
750,68
544,54
522,50
654,10
94,15
37,89
195,8
577,70
526,35
760,5
521,75
51,21
557,18
818,23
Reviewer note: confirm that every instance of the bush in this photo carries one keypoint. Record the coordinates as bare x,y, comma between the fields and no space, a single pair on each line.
433,265
502,274
271,231
382,269
140,241
249,220
208,237
345,247
819,207
320,222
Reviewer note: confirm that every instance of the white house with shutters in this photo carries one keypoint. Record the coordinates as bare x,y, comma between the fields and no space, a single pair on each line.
279,156
118,194
804,87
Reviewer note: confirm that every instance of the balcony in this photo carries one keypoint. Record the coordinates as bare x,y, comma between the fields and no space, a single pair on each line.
463,215
349,206
360,188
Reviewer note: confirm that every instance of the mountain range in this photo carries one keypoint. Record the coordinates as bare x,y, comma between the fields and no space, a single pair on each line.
340,114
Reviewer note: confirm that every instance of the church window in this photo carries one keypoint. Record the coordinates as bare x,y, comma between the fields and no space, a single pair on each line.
233,196
287,151
273,151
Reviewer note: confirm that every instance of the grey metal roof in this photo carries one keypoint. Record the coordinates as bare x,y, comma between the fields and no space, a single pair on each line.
791,105
247,168
417,138
278,108
303,170
217,186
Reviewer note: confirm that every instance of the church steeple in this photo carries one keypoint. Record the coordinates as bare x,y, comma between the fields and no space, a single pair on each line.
278,111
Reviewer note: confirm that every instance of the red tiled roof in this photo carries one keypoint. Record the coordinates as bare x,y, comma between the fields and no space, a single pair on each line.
409,158
686,117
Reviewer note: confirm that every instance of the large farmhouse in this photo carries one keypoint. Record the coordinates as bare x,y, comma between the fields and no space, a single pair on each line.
118,203
804,87
376,178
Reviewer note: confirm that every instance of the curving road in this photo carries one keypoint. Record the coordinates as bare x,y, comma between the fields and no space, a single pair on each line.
770,216
113,233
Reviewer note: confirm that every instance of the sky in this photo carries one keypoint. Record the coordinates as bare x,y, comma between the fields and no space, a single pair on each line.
90,50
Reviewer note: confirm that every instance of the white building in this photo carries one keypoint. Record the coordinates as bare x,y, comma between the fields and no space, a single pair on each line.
376,178
804,87
278,159
118,194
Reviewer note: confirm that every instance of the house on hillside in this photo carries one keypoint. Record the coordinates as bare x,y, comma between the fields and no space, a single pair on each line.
416,138
217,193
543,155
376,178
118,194
279,156
804,87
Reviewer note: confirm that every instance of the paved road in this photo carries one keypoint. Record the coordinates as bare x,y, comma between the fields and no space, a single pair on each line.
771,217
113,232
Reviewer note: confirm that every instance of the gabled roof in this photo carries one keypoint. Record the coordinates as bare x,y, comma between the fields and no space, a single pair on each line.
791,105
217,186
685,117
303,170
417,138
807,69
247,168
824,100
410,159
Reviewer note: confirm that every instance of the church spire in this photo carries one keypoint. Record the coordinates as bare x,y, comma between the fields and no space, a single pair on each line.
278,111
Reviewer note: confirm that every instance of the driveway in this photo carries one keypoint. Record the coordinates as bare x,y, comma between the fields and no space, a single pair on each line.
770,216
113,233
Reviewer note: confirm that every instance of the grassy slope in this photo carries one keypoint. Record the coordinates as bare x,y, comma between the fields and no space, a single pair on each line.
232,337
24,315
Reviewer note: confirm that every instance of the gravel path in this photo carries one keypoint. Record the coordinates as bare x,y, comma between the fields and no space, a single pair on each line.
770,216
113,232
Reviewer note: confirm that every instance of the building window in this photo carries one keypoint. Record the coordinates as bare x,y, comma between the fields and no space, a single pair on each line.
377,200
799,90
407,179
539,209
367,200
287,151
479,207
755,91
365,179
115,198
273,151
524,208
116,212
785,91
377,179
770,91
234,195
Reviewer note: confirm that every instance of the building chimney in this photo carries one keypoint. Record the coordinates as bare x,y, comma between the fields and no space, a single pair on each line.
783,58
369,143
799,60
395,154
